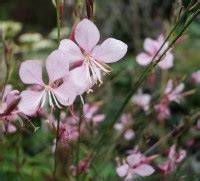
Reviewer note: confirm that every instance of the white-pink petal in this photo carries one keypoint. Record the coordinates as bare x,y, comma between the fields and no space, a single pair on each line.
65,93
111,50
144,170
134,159
30,72
71,49
167,62
150,46
57,65
169,86
122,170
78,77
143,59
87,35
30,101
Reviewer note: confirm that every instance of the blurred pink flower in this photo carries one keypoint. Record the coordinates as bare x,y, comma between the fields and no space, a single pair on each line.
163,111
8,108
174,158
91,113
123,126
59,92
93,56
196,76
68,130
82,167
173,93
151,47
134,165
142,100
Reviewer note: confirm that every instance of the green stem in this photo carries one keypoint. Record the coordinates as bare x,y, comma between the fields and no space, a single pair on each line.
79,140
56,148
18,162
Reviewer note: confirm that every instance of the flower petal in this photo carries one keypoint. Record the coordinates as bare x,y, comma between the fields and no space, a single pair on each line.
78,77
6,91
65,93
122,170
87,35
30,101
150,46
144,170
57,65
167,62
73,51
111,50
30,72
169,86
134,159
143,59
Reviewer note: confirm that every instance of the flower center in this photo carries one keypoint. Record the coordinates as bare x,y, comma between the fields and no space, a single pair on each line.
48,91
93,68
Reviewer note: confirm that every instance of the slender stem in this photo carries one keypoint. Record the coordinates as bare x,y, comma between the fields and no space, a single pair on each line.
56,148
79,140
18,164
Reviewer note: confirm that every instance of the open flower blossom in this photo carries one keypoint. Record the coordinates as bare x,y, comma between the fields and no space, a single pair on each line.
59,92
174,158
142,100
94,57
8,108
196,76
135,165
151,47
174,93
171,93
123,126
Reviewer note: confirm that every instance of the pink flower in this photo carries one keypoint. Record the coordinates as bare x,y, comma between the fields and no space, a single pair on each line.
173,159
196,76
91,113
142,100
10,99
123,126
8,108
134,165
94,57
163,111
82,167
59,92
151,47
68,130
173,93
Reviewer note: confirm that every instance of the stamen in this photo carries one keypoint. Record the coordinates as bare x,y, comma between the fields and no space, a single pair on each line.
55,100
50,99
43,97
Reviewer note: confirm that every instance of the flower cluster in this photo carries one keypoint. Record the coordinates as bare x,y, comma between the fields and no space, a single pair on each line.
65,83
